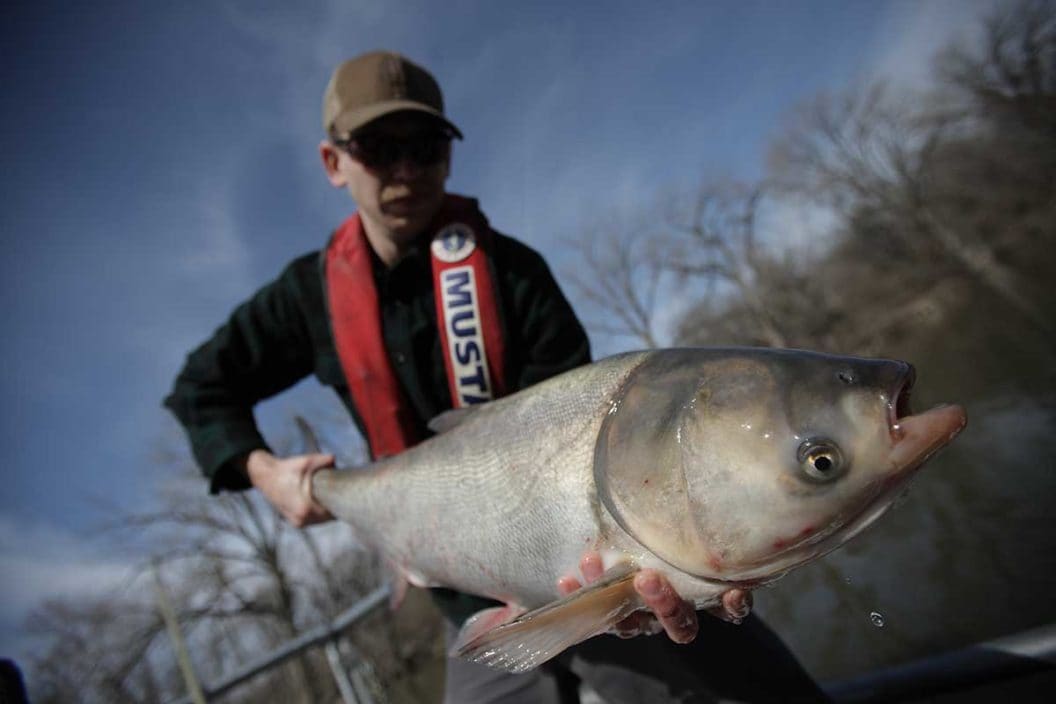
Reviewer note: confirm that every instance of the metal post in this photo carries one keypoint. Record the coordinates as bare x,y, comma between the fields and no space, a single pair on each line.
360,683
309,639
194,690
344,686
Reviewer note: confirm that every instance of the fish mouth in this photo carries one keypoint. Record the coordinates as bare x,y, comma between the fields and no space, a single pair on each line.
899,406
916,437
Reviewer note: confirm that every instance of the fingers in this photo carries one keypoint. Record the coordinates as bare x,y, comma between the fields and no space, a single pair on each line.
591,566
312,464
640,623
738,603
287,484
311,510
315,462
566,585
735,607
676,615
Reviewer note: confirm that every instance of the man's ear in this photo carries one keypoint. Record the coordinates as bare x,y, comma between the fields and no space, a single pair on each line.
331,158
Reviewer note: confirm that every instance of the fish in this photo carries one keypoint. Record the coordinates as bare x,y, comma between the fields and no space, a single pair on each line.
720,467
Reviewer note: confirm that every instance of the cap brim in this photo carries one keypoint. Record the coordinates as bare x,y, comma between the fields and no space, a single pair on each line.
352,120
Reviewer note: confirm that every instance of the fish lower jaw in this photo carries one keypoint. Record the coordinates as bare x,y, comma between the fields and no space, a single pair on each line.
917,438
823,545
808,545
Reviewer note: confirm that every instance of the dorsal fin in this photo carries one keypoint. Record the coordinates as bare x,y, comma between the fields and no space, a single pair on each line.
450,419
309,438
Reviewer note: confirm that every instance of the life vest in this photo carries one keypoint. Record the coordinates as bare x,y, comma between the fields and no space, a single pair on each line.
467,315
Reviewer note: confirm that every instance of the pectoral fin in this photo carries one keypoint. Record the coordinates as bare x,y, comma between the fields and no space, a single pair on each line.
535,637
402,579
398,591
481,623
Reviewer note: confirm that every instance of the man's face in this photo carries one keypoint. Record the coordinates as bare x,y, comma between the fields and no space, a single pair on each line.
395,169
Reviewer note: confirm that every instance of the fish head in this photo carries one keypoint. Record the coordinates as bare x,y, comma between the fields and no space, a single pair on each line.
737,465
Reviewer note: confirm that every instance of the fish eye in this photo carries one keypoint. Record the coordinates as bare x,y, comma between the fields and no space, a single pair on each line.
820,460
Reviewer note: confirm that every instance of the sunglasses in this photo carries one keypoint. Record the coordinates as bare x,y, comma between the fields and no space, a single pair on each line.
379,152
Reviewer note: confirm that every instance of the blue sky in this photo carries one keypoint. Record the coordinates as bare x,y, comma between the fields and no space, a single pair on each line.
160,164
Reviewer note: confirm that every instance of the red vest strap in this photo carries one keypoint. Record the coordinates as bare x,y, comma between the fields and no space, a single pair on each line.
467,313
355,320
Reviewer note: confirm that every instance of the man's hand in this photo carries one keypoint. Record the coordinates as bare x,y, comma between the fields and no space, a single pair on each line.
287,483
668,611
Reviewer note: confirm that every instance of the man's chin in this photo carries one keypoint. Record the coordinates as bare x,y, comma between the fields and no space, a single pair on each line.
407,228
405,208
407,220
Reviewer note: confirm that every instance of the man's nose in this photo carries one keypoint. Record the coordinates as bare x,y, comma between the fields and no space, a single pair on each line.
406,168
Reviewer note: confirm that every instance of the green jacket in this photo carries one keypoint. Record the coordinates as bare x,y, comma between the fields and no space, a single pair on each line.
282,334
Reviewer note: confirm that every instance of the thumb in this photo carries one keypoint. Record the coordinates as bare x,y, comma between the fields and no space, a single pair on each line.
318,461
314,463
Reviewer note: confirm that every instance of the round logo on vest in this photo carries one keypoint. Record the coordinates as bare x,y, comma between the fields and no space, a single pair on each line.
454,243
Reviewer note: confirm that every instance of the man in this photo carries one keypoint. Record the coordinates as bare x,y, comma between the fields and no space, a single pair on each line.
365,316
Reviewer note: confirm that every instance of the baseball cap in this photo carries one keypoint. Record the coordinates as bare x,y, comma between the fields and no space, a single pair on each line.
376,84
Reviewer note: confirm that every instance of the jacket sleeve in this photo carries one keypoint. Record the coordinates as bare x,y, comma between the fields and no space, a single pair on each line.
551,338
263,348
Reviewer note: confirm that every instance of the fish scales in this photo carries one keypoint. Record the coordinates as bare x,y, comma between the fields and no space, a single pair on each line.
503,499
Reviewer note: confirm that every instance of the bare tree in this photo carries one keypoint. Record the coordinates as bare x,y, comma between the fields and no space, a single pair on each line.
702,246
713,240
621,276
100,652
866,150
1011,76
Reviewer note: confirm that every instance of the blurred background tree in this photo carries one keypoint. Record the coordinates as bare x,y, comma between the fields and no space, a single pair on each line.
939,247
243,583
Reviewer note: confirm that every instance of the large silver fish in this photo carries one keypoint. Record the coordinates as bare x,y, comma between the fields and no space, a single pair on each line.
720,467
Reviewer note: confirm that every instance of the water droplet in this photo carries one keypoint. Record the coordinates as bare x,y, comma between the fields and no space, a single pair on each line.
877,619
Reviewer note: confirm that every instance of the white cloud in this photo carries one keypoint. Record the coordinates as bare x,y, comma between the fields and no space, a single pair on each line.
790,224
39,561
217,253
205,264
913,32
